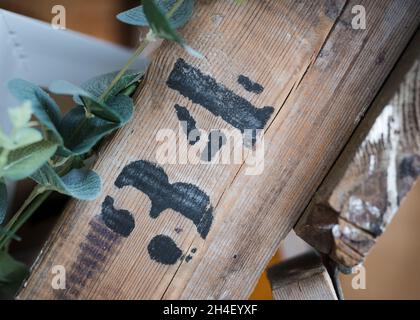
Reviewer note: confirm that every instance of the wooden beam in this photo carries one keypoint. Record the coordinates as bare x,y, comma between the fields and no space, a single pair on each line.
318,74
377,168
301,278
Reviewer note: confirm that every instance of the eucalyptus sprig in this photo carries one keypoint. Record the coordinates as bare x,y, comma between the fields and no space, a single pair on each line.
53,149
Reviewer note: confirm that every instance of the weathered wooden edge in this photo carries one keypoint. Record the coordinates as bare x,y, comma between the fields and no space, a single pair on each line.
301,71
301,278
338,220
198,287
243,271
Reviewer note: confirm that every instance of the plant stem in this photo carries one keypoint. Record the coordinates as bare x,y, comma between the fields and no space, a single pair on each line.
35,199
23,216
27,202
130,61
40,194
136,53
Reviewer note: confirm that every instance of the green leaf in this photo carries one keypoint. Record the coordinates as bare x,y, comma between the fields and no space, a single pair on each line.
22,137
81,134
134,17
9,234
27,136
12,275
4,140
129,91
20,116
180,17
162,28
159,23
22,162
4,154
82,184
5,143
22,133
43,107
91,103
123,106
98,85
3,201
66,88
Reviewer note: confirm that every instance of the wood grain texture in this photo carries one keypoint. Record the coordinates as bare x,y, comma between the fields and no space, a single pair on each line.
319,74
301,278
378,167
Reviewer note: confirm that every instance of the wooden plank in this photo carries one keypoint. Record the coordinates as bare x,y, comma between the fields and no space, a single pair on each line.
274,43
301,278
302,142
377,168
303,29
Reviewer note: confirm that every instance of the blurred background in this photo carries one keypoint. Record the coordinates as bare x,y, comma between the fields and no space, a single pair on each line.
92,17
393,267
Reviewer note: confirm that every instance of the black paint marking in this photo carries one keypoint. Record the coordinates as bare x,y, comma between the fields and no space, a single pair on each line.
216,141
178,230
185,198
96,240
119,221
205,91
164,250
250,85
91,259
188,258
92,252
193,250
191,131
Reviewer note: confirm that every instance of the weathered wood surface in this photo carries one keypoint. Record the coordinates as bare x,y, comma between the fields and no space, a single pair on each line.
301,278
318,74
382,161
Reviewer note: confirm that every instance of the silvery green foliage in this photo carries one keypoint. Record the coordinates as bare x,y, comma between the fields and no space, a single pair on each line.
97,85
26,150
51,148
76,133
92,104
154,15
11,274
22,162
82,184
22,134
35,149
81,133
44,107
137,16
23,151
3,201
159,23
91,130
